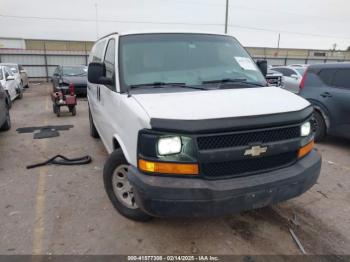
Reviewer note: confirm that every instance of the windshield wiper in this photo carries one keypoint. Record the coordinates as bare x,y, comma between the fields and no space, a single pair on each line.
231,80
164,84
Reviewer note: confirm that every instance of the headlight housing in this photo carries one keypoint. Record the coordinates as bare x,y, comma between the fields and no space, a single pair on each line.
169,145
307,141
164,153
305,129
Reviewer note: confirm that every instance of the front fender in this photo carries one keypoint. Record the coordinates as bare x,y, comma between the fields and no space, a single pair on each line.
118,143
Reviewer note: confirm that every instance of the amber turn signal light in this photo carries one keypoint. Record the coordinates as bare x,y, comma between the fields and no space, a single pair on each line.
168,168
303,151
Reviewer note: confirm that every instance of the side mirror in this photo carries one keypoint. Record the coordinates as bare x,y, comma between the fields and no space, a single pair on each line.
295,76
10,78
105,81
95,72
262,64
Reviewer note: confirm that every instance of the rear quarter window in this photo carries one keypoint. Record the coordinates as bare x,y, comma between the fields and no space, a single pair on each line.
319,78
342,78
327,75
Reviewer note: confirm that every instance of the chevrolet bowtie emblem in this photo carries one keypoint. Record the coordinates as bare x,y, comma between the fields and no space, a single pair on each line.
255,151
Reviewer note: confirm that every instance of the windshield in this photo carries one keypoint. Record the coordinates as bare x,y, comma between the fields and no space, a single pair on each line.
13,68
74,70
8,70
190,59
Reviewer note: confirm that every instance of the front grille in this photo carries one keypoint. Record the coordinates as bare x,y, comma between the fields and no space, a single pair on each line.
274,80
247,138
249,166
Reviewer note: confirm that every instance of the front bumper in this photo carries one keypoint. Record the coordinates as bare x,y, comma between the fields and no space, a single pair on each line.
163,196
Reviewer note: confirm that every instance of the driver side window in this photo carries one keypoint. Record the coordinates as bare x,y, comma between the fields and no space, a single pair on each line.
289,72
109,61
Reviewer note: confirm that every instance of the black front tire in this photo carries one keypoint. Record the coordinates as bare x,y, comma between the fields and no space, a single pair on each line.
20,94
115,160
93,130
54,108
7,125
320,127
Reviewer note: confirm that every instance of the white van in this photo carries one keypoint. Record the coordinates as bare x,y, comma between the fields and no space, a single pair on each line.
193,129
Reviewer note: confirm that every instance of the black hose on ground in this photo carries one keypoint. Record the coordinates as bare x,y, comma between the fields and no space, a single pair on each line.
64,161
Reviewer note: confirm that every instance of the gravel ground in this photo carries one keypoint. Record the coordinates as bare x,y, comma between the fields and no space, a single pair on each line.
64,210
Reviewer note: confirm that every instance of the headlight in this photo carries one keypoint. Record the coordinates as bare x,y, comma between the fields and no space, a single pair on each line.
169,145
305,129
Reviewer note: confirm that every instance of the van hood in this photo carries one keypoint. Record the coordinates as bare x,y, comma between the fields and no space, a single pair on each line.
224,103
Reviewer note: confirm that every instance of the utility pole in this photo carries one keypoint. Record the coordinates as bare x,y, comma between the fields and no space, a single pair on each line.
278,42
226,16
96,18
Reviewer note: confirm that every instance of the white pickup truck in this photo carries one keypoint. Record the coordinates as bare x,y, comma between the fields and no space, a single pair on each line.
192,127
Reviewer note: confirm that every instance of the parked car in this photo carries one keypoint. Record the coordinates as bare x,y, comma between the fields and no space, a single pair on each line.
274,78
75,74
192,128
5,120
7,80
291,77
20,74
327,87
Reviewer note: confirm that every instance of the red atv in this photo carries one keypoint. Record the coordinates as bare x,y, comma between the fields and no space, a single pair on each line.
64,96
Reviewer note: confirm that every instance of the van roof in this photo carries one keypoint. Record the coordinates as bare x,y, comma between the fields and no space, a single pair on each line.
160,32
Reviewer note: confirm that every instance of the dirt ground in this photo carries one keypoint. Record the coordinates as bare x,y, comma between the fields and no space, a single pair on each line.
64,210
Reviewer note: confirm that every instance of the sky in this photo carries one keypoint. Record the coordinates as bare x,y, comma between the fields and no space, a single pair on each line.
316,24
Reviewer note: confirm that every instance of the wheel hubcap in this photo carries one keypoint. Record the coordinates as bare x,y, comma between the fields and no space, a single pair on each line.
122,188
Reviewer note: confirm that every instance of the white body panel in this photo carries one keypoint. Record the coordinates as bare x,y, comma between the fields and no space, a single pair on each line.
291,84
121,117
117,116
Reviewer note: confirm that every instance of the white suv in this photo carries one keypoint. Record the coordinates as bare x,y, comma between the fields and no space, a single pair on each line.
192,127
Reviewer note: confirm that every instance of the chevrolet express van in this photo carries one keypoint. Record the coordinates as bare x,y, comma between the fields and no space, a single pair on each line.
193,129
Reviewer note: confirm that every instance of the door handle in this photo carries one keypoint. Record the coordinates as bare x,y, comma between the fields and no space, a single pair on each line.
326,94
98,93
